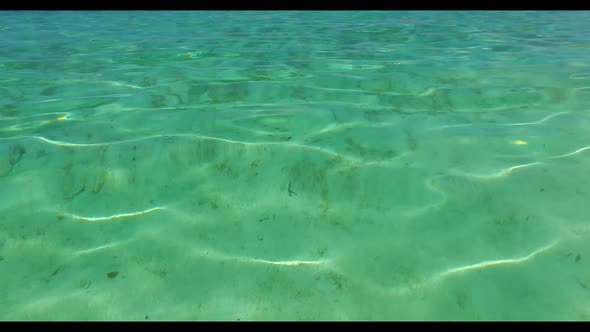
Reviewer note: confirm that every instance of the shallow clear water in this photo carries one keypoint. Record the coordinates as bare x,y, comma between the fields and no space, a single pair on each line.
294,165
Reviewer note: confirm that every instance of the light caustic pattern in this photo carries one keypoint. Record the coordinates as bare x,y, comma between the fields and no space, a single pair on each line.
116,216
328,264
332,264
398,151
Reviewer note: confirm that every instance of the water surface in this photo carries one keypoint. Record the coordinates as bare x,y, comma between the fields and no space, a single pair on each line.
294,165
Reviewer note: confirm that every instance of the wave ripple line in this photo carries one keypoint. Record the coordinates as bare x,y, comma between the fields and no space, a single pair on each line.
119,215
497,262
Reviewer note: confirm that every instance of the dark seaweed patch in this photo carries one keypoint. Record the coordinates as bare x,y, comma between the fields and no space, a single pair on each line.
16,153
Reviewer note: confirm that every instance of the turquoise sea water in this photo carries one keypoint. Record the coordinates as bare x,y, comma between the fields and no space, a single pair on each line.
294,165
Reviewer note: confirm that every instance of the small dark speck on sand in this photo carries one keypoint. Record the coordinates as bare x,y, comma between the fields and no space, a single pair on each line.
112,274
